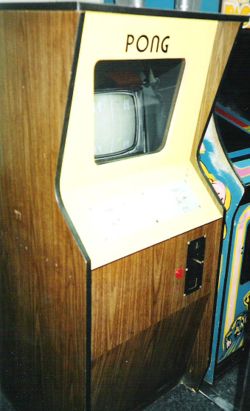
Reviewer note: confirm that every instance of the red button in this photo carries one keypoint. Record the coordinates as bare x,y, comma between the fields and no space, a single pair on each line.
179,273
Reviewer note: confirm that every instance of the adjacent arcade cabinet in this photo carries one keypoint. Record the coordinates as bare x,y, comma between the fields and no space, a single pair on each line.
110,234
225,158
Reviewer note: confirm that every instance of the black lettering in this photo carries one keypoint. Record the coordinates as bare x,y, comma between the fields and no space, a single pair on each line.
139,48
164,44
143,42
130,40
157,44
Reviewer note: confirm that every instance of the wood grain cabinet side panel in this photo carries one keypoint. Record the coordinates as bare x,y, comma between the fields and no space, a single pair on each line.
223,44
43,274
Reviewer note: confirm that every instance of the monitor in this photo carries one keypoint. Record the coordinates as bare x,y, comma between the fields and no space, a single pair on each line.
118,124
133,105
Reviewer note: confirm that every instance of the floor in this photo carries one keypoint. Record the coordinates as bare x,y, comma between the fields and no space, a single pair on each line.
225,394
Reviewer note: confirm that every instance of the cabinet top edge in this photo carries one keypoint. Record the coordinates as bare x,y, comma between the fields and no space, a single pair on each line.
82,6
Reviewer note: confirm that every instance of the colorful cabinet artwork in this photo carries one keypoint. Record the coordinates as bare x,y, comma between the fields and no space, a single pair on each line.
225,159
236,7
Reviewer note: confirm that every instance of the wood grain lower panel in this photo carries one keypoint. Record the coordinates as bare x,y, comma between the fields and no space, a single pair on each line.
132,294
145,332
131,373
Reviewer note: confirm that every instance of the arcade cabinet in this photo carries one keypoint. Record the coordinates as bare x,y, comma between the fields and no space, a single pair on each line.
225,159
109,232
